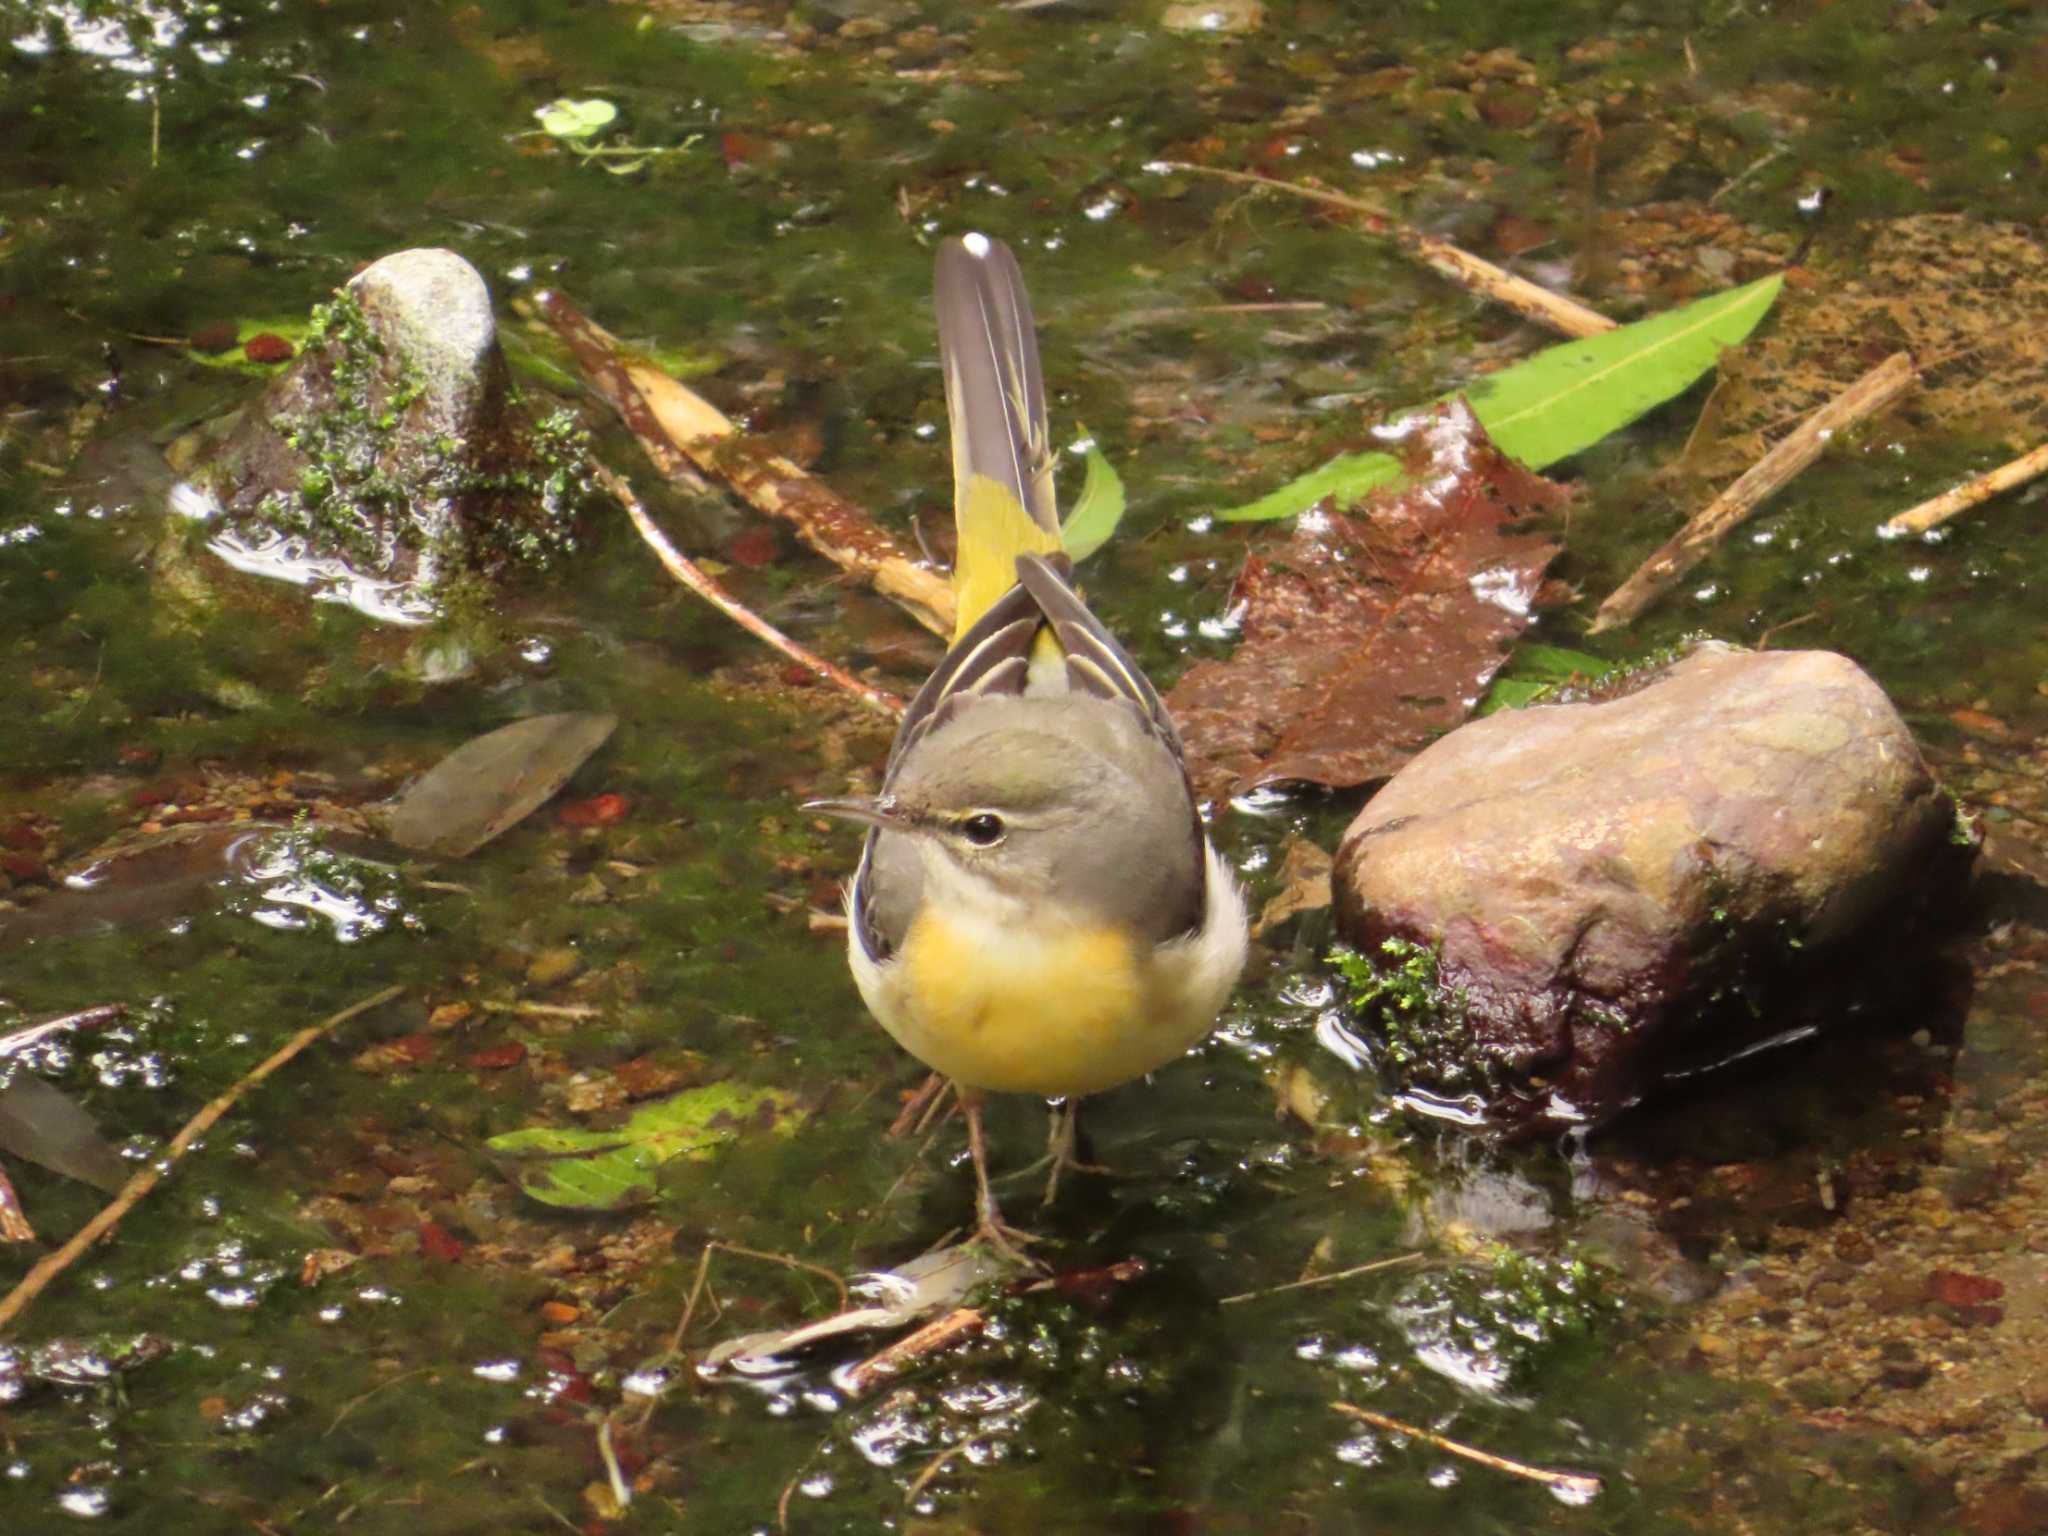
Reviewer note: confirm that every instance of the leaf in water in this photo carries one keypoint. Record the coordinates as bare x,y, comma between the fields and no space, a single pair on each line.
1537,671
609,1170
1304,886
572,120
487,785
1344,479
1565,398
45,1125
1097,511
1366,637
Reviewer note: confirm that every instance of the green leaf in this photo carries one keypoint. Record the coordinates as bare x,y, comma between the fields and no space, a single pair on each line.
609,1170
1346,479
1098,510
1565,398
571,120
1537,671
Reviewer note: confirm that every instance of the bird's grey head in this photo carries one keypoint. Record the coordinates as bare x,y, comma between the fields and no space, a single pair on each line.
1066,804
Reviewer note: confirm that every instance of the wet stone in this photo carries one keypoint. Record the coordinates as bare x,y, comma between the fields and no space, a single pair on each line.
1617,892
394,456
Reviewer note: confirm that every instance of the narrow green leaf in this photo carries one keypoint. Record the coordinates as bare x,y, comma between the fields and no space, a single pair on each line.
1565,398
1346,478
1098,510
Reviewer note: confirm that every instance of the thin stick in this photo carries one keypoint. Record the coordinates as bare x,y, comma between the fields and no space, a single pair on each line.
544,1010
963,1323
1953,503
912,1116
1331,1279
1762,480
1133,317
673,422
85,1018
356,1402
109,1217
1566,316
1773,153
931,1470
686,572
675,1342
1578,1484
940,1333
622,1492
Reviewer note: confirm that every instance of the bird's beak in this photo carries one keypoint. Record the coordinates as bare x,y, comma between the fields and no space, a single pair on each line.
878,811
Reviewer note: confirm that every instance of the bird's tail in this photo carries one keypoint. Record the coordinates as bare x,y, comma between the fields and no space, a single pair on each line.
995,397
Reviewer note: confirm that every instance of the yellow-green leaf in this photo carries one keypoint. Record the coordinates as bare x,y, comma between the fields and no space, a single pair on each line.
610,1170
1096,512
1565,398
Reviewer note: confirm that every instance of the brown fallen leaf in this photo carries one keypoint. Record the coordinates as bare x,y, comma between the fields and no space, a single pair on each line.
1366,636
492,782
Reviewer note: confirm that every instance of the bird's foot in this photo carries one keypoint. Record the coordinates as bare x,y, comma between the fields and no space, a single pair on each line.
994,1232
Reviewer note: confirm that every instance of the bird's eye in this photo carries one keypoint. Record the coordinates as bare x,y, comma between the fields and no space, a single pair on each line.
984,829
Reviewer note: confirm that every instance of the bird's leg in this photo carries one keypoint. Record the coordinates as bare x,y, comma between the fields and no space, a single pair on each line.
1062,1145
989,1225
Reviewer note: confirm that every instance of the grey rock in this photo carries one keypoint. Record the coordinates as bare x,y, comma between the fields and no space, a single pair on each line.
432,308
393,456
1623,888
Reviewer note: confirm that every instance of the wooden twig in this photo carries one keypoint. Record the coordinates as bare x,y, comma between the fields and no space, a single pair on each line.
84,1018
1685,549
543,1010
109,1217
940,1333
673,422
1953,503
931,1469
691,576
1577,1484
943,1332
1315,1280
1135,317
1566,316
915,1108
622,1491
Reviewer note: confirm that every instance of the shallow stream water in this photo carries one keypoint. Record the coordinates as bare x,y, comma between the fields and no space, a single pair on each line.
1631,1307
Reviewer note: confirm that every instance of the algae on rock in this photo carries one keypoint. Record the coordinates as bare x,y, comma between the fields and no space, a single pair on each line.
394,466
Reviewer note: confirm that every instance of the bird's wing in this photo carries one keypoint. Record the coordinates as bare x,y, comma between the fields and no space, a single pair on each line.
1096,663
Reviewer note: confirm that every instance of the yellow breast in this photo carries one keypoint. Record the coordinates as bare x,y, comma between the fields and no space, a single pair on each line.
1018,1009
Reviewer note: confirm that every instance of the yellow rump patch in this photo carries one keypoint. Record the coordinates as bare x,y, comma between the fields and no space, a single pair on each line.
994,529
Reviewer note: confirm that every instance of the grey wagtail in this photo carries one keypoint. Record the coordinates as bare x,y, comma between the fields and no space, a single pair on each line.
1038,908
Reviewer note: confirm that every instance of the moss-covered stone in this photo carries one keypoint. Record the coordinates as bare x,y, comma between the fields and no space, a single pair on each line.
395,465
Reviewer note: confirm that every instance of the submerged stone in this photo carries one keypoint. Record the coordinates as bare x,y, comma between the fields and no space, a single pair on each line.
1616,891
394,460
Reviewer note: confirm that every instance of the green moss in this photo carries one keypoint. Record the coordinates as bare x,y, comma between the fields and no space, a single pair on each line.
1420,1024
369,497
